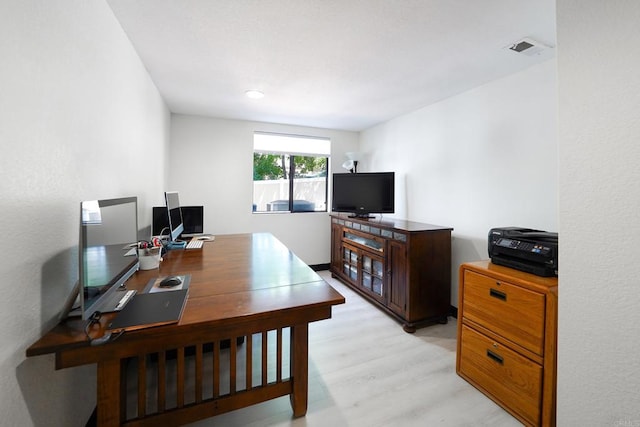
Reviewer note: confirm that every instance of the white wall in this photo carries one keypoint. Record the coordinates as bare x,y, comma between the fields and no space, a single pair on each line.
212,165
73,90
485,158
599,134
80,120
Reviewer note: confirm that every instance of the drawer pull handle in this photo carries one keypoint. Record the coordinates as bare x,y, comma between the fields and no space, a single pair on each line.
495,357
497,294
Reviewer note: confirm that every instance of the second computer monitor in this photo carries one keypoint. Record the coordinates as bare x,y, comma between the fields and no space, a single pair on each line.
192,220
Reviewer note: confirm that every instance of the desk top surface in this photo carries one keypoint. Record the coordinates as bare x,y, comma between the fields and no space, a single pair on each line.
234,277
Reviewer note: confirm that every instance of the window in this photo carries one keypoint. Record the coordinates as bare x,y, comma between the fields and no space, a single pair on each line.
290,173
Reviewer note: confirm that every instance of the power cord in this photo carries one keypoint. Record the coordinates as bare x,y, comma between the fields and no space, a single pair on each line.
94,319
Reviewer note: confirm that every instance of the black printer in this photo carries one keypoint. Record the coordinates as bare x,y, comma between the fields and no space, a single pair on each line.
533,251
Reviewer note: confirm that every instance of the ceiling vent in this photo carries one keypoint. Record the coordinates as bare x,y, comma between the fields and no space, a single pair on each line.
528,47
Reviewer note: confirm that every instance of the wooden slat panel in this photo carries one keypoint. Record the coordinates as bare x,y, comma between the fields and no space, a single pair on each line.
279,355
142,385
123,389
264,358
180,372
198,350
208,408
185,376
233,351
216,369
249,365
162,381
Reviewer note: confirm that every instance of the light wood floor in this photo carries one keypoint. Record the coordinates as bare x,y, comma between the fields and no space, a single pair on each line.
364,370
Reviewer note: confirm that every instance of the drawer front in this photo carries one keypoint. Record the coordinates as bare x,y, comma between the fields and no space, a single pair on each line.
513,380
506,309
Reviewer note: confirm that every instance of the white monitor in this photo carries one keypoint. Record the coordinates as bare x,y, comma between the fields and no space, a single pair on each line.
176,225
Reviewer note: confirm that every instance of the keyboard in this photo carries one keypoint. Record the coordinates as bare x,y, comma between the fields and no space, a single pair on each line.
195,244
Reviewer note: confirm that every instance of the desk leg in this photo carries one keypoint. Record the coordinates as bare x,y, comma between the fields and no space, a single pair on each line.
109,388
300,368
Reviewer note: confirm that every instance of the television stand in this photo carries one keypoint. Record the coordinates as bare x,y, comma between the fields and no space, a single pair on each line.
400,266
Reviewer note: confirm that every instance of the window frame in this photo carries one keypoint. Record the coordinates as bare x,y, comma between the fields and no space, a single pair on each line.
292,155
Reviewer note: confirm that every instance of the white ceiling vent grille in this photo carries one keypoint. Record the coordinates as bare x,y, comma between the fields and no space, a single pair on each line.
528,47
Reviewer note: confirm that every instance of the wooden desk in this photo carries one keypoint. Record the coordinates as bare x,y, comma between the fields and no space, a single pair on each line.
245,291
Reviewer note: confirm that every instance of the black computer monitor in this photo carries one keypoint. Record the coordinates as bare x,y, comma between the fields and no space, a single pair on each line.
159,221
192,220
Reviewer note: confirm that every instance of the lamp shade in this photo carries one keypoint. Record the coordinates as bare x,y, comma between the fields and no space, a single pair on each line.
348,165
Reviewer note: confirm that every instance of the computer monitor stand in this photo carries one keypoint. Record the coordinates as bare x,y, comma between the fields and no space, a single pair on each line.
68,310
176,245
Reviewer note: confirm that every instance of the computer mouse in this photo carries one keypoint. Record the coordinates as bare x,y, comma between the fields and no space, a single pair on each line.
170,282
206,237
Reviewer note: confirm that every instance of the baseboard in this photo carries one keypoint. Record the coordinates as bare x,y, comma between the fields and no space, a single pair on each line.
320,267
453,312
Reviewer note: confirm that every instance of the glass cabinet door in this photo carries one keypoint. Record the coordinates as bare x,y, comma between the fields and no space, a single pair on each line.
372,274
350,263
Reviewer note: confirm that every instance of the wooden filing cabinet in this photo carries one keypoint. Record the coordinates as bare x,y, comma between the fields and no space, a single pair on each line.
507,335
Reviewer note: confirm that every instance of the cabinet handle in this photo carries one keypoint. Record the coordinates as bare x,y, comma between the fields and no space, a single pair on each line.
495,357
497,294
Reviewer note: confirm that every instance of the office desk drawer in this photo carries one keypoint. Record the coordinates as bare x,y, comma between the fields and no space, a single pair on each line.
504,375
511,311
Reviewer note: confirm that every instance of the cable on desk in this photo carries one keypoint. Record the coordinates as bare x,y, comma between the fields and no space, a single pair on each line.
107,337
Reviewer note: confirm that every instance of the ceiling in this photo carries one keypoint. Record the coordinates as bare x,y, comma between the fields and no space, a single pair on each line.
337,64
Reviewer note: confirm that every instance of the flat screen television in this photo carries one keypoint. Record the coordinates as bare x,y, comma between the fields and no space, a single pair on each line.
362,194
107,257
192,220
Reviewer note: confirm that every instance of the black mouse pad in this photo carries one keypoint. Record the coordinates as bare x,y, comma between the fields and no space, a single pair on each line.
146,310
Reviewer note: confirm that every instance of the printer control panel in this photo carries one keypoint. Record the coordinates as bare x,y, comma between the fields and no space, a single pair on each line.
520,245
